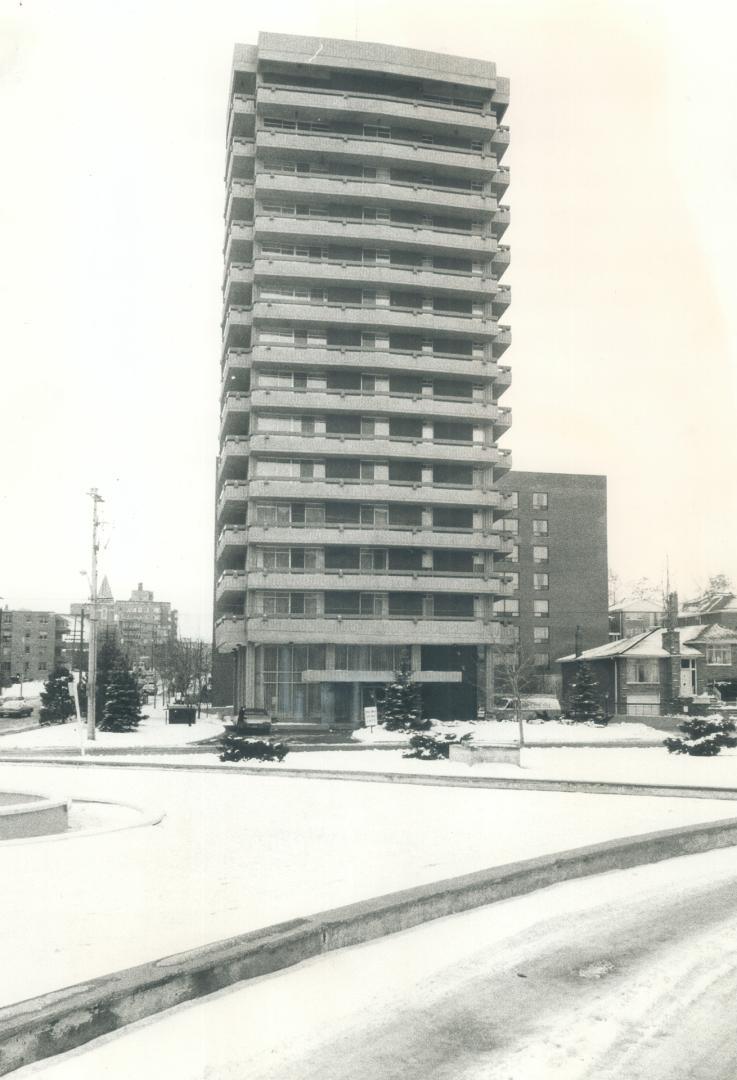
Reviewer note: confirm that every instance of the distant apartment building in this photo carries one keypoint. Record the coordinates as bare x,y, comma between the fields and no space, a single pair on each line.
139,625
31,643
634,617
361,378
557,568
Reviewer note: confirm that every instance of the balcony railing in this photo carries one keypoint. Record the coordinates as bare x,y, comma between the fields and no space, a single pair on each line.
325,98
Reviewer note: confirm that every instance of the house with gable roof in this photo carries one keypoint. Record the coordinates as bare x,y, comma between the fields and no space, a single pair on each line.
645,675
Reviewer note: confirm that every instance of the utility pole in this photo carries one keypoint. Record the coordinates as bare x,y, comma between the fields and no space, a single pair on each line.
579,635
92,664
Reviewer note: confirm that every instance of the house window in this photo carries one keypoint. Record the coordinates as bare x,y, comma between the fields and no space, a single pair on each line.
542,659
540,553
541,634
539,500
540,581
540,609
539,527
720,655
642,671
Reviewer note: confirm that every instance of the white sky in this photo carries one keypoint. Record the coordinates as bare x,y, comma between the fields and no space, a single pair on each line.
624,173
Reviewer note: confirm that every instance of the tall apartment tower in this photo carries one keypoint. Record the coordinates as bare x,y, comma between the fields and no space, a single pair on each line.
356,481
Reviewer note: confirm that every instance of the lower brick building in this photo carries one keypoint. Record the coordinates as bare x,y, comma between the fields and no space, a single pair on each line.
31,643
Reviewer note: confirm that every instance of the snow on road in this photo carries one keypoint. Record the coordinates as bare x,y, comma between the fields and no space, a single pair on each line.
239,852
617,977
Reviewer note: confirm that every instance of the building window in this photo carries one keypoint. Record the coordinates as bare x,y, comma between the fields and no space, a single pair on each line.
539,500
540,553
514,554
540,609
720,655
541,634
642,671
510,525
542,659
539,527
540,581
506,606
513,499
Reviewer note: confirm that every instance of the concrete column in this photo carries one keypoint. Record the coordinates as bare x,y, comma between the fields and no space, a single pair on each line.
415,657
249,681
485,696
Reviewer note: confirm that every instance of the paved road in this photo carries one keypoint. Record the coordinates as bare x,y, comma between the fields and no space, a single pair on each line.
621,977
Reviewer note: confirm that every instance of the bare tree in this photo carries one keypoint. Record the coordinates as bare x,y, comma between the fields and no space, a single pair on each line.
517,674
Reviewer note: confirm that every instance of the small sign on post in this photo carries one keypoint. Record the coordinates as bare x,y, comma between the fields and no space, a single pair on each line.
370,716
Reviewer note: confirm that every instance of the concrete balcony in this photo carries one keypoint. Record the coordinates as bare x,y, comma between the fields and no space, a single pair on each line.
241,120
264,445
500,259
373,318
326,401
276,101
367,192
384,630
500,141
369,535
237,322
269,490
238,245
481,370
501,299
502,341
500,181
361,149
231,587
326,230
270,268
239,159
230,632
504,463
233,459
423,581
233,494
235,362
239,200
235,414
232,539
500,221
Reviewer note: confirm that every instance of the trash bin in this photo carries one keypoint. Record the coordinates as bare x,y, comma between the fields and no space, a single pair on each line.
181,714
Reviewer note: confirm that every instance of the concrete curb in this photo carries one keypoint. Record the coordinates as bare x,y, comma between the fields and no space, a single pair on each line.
64,1019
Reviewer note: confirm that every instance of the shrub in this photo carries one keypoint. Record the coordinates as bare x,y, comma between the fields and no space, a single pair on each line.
705,736
400,710
433,747
236,746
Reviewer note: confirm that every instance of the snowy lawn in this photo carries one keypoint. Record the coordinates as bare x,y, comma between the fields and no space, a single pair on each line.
636,765
506,731
239,852
153,731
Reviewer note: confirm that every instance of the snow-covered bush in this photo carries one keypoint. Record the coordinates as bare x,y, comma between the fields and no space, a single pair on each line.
705,736
401,707
57,705
432,747
235,745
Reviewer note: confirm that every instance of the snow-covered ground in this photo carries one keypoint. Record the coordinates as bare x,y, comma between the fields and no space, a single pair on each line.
153,731
435,1001
506,731
31,691
239,852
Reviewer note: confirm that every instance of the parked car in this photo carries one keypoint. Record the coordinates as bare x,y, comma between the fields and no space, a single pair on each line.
534,707
15,706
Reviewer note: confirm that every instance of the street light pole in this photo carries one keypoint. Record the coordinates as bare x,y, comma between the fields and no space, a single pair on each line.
92,664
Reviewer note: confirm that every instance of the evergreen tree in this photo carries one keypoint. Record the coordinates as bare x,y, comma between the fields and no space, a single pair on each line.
109,657
122,709
57,704
584,701
401,708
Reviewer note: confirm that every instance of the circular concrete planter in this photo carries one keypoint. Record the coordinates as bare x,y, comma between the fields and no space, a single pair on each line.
26,814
